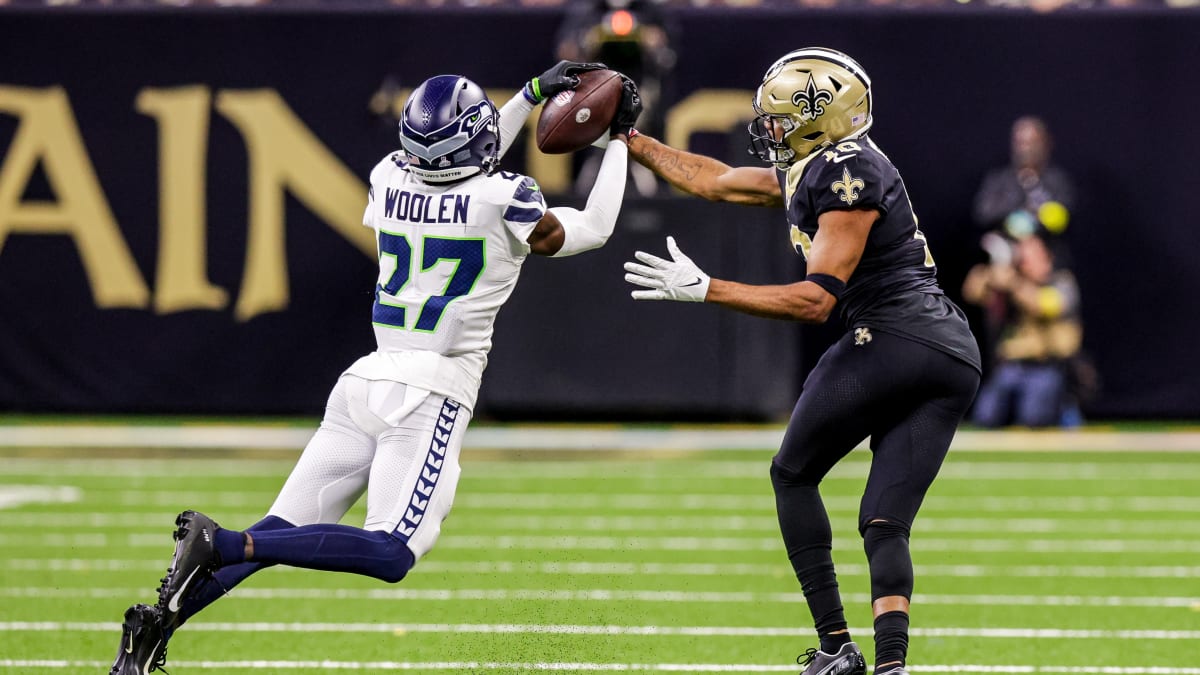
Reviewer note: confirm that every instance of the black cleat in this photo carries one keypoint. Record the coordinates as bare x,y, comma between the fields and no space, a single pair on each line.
847,661
143,642
193,564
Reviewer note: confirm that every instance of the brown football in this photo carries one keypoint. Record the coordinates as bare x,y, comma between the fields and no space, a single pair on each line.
572,119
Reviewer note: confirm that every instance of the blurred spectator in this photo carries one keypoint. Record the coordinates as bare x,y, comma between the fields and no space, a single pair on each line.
1039,343
1030,196
633,37
1039,6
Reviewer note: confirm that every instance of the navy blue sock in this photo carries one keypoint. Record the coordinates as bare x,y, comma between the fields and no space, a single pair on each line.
336,548
230,545
227,577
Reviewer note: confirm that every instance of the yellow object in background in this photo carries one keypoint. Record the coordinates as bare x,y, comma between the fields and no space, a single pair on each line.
1054,217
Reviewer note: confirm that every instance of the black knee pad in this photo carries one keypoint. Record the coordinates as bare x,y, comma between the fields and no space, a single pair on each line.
886,544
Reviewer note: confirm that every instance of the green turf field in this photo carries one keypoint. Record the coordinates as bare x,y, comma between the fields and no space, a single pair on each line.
1048,562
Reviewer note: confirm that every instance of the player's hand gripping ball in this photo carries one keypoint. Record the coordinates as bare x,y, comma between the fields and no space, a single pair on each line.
572,119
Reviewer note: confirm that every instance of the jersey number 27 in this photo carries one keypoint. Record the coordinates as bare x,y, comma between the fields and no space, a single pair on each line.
396,264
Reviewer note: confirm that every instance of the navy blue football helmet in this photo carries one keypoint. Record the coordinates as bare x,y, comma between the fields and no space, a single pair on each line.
450,130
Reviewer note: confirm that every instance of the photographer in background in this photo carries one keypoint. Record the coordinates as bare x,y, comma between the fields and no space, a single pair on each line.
1030,195
633,37
1036,307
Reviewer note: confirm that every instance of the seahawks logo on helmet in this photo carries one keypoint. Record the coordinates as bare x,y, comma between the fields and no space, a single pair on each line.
810,100
449,130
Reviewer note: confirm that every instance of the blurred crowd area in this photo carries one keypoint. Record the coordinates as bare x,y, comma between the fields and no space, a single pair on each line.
748,5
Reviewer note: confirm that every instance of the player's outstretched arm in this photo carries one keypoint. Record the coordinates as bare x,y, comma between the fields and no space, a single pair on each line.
707,177
565,231
835,253
564,75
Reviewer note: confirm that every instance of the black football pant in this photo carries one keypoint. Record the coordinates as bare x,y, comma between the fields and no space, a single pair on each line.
909,399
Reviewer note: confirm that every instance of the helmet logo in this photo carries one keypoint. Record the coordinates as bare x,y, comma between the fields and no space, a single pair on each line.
810,100
847,188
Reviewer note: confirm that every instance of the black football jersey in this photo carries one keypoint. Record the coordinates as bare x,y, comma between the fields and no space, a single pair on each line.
894,288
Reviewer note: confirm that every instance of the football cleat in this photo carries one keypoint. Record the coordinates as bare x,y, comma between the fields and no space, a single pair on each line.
892,671
143,642
847,661
194,561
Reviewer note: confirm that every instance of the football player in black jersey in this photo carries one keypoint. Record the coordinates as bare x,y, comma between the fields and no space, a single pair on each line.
905,372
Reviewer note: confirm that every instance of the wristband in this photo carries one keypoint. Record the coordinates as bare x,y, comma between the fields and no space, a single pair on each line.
533,92
832,285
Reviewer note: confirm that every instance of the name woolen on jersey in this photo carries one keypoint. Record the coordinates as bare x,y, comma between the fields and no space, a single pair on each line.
415,207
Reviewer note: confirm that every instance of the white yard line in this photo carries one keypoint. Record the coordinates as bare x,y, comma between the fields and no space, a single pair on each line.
461,666
569,438
158,540
659,569
606,595
661,472
935,504
584,629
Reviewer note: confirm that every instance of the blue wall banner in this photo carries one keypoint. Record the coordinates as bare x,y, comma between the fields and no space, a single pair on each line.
181,195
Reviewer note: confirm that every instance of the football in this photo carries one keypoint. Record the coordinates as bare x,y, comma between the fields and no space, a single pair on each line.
572,119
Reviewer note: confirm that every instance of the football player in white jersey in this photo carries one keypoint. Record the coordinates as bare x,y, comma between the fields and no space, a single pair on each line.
452,232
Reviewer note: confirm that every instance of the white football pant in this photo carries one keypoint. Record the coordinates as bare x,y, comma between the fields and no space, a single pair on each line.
398,443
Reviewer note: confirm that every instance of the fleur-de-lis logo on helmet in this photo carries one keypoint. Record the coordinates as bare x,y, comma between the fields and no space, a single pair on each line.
848,187
811,100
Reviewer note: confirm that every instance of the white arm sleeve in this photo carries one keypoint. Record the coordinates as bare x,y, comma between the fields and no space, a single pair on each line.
512,120
590,228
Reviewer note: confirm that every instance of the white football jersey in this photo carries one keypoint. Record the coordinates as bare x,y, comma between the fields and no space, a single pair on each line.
449,256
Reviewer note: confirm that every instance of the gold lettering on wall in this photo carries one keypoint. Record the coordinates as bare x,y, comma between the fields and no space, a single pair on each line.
182,114
49,134
552,172
715,110
285,155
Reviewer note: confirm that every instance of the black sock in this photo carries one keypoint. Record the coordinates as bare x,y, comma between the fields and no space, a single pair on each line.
891,639
806,533
831,643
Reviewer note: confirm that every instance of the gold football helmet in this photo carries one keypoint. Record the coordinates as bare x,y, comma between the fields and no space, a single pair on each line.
809,99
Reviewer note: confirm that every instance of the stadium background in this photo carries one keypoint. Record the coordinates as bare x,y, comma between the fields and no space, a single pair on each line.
212,164
209,167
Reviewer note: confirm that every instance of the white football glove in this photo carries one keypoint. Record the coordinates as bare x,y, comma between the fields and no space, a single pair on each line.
676,279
